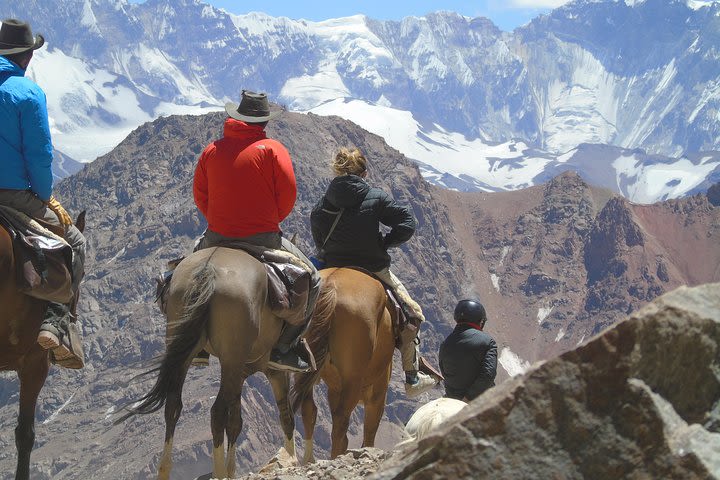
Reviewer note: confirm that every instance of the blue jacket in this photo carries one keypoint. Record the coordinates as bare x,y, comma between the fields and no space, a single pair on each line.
25,145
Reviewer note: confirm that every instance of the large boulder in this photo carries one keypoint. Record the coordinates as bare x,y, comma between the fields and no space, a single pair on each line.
639,400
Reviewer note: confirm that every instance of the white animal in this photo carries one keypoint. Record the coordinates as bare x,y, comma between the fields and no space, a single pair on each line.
429,417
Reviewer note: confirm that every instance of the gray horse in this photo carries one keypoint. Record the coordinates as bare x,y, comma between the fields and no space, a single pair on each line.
218,301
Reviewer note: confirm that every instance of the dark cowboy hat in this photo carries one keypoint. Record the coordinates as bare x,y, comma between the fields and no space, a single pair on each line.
253,108
17,37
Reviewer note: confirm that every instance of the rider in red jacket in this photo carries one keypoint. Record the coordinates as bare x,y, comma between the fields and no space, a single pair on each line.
244,185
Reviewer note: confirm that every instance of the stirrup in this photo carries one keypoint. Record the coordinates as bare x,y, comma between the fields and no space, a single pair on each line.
289,361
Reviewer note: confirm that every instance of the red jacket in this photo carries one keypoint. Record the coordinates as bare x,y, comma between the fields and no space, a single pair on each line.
244,183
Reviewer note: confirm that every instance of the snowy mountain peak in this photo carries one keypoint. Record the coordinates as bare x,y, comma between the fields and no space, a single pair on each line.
464,94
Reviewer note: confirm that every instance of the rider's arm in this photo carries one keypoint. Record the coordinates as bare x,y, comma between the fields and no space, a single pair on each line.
398,218
285,185
487,357
200,181
36,143
317,224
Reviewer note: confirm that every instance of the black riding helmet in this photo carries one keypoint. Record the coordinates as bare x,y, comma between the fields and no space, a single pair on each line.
470,311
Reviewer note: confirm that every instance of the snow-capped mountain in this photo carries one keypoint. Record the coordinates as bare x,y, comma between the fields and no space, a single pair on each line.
64,166
489,109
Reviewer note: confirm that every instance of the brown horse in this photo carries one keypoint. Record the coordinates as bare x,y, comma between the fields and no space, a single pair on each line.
20,319
358,363
218,301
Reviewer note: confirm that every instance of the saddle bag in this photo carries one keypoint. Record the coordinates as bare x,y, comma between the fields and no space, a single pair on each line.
42,259
288,291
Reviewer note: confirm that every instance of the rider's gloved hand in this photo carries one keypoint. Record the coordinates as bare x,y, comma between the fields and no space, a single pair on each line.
58,209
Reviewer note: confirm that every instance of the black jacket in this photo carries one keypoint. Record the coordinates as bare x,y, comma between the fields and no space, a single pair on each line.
468,361
357,240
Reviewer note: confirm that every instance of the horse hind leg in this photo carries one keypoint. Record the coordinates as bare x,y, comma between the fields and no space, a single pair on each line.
173,408
232,430
342,405
309,417
374,401
280,383
32,378
226,419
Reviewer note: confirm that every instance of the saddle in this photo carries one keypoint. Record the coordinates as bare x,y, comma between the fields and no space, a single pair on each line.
288,281
43,259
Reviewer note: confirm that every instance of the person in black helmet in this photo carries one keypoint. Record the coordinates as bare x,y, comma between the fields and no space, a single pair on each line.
468,356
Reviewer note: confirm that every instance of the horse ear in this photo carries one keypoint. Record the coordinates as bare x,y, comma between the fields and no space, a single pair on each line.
80,222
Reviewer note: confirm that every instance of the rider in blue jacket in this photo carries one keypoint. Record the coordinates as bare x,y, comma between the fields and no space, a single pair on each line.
25,145
26,181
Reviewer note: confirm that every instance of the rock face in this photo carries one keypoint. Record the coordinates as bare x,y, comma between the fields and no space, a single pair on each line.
531,256
640,400
713,194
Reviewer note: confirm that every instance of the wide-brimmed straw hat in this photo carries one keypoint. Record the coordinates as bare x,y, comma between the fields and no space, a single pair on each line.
17,37
253,108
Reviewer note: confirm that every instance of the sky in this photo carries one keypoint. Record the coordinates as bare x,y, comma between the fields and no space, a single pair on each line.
506,14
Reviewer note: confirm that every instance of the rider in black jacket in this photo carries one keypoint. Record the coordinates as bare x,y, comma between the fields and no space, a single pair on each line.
357,240
468,356
346,229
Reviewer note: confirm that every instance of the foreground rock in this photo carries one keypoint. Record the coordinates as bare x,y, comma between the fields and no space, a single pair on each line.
641,400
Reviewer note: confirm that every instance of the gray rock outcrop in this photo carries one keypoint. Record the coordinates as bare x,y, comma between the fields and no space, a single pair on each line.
640,400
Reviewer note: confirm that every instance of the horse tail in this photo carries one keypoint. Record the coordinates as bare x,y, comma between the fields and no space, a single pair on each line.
190,325
318,338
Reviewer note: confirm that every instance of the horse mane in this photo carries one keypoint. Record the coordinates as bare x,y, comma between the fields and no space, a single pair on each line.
188,328
318,338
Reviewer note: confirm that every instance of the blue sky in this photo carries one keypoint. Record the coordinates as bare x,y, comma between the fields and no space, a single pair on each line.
506,14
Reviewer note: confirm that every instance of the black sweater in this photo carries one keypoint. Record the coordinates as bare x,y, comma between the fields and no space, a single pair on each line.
468,361
357,240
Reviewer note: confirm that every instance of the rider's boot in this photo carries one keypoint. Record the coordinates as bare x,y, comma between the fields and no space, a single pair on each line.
289,352
416,382
59,334
202,359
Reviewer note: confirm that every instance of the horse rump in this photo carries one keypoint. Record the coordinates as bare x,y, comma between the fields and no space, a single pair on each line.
188,328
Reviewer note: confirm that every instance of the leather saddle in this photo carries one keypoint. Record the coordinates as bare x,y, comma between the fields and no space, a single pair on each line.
43,259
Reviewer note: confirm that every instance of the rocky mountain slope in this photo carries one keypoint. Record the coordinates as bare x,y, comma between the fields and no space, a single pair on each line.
461,93
553,264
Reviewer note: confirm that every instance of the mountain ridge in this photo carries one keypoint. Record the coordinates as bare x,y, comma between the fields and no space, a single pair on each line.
553,84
